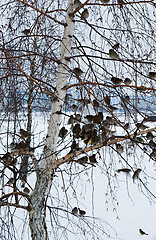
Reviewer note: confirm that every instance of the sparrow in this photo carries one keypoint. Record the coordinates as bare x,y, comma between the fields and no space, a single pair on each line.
26,31
112,108
107,99
82,160
116,46
84,101
74,107
149,136
104,1
95,104
113,54
21,146
92,159
7,159
150,119
77,117
142,232
152,74
153,154
76,130
74,147
126,126
116,80
126,99
136,174
90,118
77,4
85,14
141,126
98,118
24,133
26,190
94,139
119,148
75,210
82,212
63,131
120,2
127,81
125,170
78,71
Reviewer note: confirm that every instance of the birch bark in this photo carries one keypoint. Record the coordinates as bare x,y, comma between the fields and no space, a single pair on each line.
37,214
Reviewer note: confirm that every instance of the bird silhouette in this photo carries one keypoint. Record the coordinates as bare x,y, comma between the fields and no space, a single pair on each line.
142,232
104,1
24,133
26,31
82,160
116,80
116,46
125,170
75,210
62,133
136,174
85,14
107,99
82,212
92,159
152,74
95,104
127,81
26,190
113,54
119,148
77,4
78,71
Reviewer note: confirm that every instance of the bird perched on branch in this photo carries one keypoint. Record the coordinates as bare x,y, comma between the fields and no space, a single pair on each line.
95,104
107,99
125,170
152,74
24,133
116,46
63,132
77,4
76,130
127,81
26,31
75,210
150,119
92,159
78,71
90,118
26,190
85,14
141,126
121,2
119,148
82,212
113,54
116,80
82,160
136,174
105,1
142,232
149,136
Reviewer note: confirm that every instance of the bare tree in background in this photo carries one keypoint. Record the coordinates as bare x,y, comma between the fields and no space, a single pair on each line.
94,63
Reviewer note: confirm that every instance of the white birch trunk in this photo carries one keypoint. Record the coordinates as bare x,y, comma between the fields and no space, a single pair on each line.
37,214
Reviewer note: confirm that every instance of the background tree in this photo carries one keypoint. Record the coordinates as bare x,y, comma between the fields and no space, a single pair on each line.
94,63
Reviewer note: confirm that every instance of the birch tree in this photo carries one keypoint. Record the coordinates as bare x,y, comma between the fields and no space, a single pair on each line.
94,61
